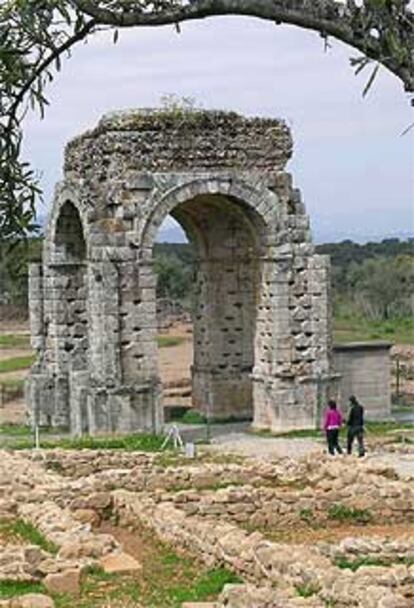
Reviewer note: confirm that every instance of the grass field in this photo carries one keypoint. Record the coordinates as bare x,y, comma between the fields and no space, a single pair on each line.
354,329
23,439
16,363
14,341
25,531
166,341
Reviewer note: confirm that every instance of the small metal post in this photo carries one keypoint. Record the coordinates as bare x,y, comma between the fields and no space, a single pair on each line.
397,379
37,439
318,401
208,428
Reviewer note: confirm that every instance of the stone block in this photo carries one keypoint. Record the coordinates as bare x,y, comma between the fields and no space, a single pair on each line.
119,563
32,600
67,581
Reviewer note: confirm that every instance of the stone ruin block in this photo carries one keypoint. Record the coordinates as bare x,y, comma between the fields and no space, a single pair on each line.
261,316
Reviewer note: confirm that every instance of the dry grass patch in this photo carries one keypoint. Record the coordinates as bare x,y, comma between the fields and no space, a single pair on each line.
333,532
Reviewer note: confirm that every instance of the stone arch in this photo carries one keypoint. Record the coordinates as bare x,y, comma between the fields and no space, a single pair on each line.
217,211
69,239
66,209
264,330
258,201
66,326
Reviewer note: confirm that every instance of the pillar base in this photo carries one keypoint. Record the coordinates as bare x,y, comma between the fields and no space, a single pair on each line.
222,395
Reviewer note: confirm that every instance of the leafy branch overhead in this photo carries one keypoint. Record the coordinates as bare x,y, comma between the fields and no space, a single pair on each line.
35,34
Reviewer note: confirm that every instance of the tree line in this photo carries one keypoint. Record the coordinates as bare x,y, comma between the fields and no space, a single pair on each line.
374,280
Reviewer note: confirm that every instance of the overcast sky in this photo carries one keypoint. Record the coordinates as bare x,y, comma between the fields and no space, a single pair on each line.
350,161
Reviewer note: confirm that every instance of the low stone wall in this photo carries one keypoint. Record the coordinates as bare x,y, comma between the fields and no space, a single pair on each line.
217,524
27,492
107,469
375,499
82,463
365,371
290,567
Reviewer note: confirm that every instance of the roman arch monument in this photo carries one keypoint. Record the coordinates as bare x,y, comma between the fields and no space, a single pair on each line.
261,314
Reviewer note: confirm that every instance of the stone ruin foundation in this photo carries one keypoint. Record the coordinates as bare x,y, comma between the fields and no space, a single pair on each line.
261,313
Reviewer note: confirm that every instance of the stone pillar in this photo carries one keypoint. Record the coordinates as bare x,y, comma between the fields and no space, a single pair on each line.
224,323
139,360
292,366
125,388
104,325
36,315
104,345
79,415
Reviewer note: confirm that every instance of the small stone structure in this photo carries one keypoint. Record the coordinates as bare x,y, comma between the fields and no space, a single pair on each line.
364,369
261,317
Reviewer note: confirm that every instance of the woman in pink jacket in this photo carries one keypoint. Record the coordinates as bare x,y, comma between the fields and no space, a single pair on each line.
332,424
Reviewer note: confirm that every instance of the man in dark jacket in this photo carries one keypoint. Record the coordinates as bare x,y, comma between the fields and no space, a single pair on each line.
355,426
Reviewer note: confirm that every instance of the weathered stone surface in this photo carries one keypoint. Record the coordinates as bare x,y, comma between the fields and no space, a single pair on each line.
119,562
63,582
261,312
32,600
87,516
215,525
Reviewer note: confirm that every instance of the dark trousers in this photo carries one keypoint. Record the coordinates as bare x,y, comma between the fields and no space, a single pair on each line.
358,432
332,436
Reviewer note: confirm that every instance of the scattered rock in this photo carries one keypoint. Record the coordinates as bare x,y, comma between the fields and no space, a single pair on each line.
87,516
67,581
119,562
32,600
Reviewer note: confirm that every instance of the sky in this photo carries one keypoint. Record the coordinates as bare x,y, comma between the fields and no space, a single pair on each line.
352,164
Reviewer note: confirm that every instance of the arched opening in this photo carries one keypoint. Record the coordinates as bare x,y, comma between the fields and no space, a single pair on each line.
224,236
174,257
70,246
66,306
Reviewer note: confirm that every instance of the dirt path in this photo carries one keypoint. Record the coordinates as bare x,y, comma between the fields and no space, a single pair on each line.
175,361
14,412
12,353
335,532
246,444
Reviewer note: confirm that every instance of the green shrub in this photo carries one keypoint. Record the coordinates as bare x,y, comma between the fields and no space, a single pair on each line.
306,515
165,341
307,589
9,588
193,417
343,513
210,584
27,532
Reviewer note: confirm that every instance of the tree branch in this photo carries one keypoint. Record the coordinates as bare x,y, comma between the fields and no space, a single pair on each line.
57,52
346,22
